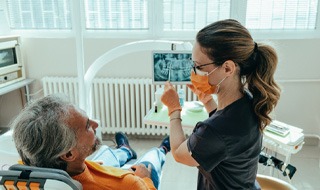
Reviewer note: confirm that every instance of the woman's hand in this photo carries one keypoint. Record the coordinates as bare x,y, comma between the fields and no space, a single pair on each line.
141,170
204,98
170,98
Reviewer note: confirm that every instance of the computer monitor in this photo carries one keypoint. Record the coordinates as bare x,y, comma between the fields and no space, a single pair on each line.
11,62
173,66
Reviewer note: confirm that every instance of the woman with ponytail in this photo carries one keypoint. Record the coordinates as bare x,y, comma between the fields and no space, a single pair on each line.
240,72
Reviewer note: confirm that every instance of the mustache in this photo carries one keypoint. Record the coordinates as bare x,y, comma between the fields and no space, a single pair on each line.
97,144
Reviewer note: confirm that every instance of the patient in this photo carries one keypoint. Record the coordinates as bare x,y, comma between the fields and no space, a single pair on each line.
53,133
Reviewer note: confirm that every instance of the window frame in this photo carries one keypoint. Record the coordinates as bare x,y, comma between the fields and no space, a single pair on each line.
238,11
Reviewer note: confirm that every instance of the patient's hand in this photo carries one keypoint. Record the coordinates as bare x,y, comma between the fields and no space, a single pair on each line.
142,171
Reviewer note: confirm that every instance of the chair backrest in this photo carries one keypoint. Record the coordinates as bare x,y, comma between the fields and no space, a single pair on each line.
272,183
36,178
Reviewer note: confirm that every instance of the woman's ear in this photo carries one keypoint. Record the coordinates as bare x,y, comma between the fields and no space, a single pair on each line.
69,156
229,67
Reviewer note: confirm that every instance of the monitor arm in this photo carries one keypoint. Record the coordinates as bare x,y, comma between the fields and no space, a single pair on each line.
137,46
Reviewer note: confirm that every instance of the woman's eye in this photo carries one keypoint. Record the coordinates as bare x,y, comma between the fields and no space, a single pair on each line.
89,126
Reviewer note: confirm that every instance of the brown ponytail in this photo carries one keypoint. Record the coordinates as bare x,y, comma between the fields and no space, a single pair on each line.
262,85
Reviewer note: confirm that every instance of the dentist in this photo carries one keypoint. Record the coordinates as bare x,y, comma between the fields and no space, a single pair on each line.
226,146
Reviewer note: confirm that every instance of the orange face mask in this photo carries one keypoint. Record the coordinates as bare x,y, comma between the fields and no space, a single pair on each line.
201,82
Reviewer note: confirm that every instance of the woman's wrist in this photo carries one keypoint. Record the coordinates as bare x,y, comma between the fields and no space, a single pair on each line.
176,118
210,106
175,114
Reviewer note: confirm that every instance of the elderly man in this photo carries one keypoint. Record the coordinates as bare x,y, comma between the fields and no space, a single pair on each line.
53,133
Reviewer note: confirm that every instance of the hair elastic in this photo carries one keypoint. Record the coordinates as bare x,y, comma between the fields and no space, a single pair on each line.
255,47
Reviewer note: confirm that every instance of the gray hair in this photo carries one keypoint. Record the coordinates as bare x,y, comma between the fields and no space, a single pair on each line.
41,132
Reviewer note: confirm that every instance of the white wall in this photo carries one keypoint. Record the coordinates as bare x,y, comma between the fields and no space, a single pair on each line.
300,101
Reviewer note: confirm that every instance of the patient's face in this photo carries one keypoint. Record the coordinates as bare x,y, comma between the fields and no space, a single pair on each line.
87,141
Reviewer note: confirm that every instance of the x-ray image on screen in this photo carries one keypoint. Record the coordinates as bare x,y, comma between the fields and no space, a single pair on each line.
172,66
6,57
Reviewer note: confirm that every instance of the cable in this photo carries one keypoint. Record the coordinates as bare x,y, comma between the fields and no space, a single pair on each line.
35,92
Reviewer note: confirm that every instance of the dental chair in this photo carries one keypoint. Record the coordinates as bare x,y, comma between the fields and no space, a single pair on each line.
272,183
34,178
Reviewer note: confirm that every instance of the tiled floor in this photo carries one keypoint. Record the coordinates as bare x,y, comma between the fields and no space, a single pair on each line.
180,177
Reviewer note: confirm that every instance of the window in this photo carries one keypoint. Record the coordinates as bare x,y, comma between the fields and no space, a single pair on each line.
117,14
39,14
192,15
165,18
281,14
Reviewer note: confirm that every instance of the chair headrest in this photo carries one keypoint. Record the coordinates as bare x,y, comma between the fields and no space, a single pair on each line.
46,178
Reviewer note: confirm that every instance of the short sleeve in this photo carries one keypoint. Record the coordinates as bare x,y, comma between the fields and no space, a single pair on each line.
206,146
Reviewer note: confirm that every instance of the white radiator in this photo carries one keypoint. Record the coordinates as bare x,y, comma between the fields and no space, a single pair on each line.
119,103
